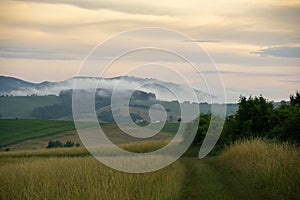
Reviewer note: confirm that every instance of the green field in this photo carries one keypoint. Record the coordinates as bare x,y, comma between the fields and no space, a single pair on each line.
14,131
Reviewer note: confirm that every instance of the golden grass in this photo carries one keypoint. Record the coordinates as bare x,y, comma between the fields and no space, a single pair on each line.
57,152
144,146
137,147
70,173
271,168
112,131
83,178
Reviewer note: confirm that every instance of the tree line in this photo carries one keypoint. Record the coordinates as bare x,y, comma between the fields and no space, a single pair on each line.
257,117
58,144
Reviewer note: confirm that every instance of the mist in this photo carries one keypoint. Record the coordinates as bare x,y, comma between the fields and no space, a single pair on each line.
165,91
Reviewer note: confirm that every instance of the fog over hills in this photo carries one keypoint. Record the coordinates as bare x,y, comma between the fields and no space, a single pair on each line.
162,90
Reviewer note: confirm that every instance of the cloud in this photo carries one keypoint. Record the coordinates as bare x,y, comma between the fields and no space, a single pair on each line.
284,51
246,73
290,81
203,41
134,7
28,53
283,14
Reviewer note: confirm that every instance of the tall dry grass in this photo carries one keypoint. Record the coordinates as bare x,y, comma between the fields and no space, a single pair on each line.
144,146
137,147
56,152
273,169
83,178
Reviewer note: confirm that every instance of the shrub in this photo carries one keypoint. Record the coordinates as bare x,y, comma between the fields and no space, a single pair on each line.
54,144
69,144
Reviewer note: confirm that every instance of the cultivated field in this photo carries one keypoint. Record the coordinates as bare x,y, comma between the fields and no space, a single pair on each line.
17,130
26,134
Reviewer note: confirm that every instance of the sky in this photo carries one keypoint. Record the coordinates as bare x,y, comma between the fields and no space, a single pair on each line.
254,44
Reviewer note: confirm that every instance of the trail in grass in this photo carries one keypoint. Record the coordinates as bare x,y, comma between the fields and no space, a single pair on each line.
208,179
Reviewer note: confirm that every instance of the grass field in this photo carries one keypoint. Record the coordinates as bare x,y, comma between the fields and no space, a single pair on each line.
272,169
16,130
34,134
84,178
255,169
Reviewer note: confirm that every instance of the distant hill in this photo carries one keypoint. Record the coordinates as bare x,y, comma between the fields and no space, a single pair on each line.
53,100
162,90
9,84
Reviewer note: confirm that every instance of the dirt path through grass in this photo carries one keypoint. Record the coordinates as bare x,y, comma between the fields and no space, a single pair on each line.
208,179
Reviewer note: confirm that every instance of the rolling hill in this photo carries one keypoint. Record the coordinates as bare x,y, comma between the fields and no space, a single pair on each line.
161,89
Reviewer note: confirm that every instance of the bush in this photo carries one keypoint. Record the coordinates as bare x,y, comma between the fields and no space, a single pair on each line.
54,144
69,144
57,143
256,117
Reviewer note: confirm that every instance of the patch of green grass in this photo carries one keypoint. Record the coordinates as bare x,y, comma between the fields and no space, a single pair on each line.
171,127
202,182
15,130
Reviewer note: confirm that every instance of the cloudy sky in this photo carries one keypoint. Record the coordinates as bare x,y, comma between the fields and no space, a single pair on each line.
255,44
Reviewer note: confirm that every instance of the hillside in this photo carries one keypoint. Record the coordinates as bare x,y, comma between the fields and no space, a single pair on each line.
22,106
59,107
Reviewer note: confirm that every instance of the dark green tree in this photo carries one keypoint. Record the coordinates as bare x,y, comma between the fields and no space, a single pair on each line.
295,99
254,117
286,121
202,128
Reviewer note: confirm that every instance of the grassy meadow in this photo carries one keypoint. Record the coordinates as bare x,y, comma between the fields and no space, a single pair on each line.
84,178
254,169
246,169
16,130
271,168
